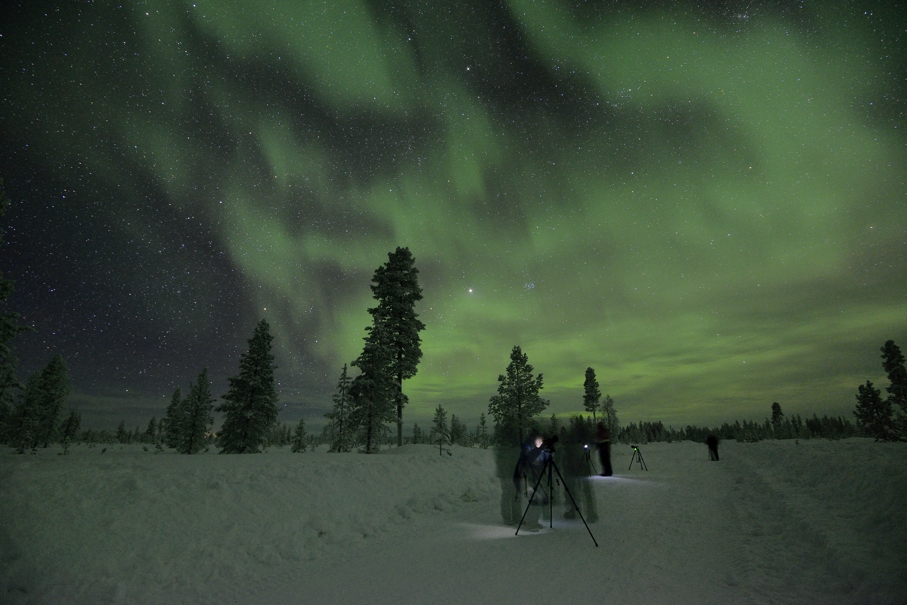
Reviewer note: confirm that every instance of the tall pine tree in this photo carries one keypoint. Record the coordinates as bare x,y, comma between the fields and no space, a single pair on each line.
518,400
395,286
373,392
893,364
591,393
250,405
196,415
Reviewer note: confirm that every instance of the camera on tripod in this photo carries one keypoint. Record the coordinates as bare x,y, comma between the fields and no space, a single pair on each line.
635,447
549,443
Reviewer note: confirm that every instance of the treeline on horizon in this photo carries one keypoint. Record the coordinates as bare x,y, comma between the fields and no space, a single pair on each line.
578,428
35,414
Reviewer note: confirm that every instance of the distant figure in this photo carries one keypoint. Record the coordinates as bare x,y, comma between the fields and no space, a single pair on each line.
712,442
603,436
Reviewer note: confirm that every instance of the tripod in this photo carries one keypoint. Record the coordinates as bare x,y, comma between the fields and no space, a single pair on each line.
587,462
547,471
637,455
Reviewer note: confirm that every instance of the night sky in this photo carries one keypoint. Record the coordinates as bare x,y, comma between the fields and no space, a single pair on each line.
705,202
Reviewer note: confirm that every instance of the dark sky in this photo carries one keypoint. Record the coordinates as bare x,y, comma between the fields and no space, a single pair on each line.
705,202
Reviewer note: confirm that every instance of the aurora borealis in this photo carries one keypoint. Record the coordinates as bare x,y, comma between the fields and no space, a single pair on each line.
705,202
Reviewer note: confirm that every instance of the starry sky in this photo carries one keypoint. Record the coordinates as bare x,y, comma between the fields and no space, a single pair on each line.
706,202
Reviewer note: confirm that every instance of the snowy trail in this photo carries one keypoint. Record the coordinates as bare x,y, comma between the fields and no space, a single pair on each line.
660,541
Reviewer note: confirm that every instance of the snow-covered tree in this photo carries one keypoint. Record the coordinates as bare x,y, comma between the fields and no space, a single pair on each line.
250,405
196,416
299,437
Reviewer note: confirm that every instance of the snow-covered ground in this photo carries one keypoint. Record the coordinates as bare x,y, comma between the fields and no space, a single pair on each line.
772,522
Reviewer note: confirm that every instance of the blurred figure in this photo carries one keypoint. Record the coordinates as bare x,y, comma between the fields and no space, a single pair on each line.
712,442
572,461
603,437
510,483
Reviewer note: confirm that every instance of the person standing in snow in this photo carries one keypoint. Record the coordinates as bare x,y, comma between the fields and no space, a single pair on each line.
603,439
528,468
712,442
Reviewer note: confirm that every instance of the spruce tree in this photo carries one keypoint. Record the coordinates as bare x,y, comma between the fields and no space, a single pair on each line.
299,436
591,393
10,387
196,415
439,430
35,421
150,435
173,420
873,414
482,432
373,392
395,286
517,401
250,405
893,364
341,437
54,389
417,434
777,420
26,422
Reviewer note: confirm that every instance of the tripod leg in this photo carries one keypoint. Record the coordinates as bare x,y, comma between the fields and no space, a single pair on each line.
575,505
535,490
632,458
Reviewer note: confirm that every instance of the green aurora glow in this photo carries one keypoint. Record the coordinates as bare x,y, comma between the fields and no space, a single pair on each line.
707,208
